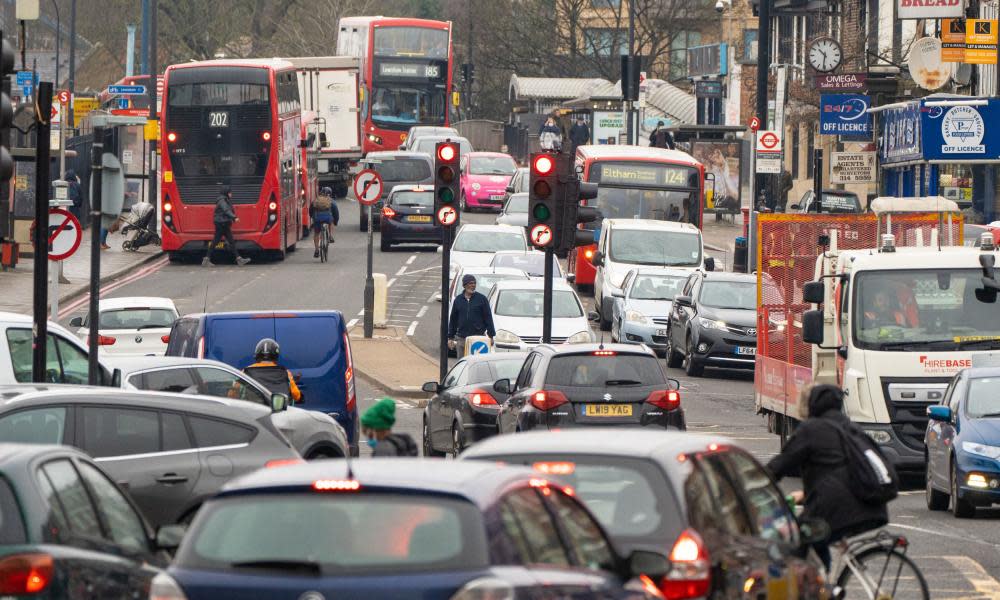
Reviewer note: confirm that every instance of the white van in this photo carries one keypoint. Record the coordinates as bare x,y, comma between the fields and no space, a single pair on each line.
629,243
65,356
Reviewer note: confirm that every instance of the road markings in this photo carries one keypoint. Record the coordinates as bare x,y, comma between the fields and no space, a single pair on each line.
976,574
422,311
114,285
352,323
964,537
410,260
434,297
361,312
412,329
391,281
401,271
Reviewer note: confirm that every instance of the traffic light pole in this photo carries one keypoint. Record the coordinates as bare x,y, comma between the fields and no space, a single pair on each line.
370,283
43,116
547,297
96,178
445,300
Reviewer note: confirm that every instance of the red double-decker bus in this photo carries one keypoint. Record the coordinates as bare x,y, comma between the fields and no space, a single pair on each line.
405,72
235,123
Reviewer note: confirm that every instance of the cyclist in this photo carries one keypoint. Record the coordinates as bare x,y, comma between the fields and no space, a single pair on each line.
816,451
323,211
269,373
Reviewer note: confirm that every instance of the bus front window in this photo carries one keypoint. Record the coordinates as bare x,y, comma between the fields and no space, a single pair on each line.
402,107
635,203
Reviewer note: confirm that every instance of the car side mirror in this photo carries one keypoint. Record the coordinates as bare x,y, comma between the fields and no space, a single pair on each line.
593,316
76,322
279,402
431,387
812,531
651,564
502,386
597,259
168,537
509,189
939,413
440,249
709,263
813,292
618,294
684,301
812,327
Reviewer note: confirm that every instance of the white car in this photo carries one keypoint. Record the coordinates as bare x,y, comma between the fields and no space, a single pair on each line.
475,245
133,326
517,315
531,262
486,277
66,359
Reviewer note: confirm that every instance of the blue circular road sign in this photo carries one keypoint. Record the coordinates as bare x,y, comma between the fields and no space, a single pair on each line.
479,348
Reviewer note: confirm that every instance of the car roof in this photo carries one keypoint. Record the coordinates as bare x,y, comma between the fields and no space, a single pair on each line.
135,302
491,227
251,314
15,396
494,356
589,347
977,372
443,138
11,318
480,482
396,154
131,364
728,276
518,253
488,270
651,224
486,153
531,284
669,271
412,187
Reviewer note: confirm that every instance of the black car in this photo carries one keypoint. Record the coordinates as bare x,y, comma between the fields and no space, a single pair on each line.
408,217
67,531
833,202
465,406
586,385
713,323
725,524
396,168
402,529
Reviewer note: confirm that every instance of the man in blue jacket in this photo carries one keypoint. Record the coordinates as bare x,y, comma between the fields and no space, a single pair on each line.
470,315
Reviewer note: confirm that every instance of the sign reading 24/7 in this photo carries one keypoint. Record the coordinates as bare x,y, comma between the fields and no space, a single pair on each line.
845,114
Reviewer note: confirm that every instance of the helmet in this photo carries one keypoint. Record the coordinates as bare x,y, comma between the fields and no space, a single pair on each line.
326,192
267,349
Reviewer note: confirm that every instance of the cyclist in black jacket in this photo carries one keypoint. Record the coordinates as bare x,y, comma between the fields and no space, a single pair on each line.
470,315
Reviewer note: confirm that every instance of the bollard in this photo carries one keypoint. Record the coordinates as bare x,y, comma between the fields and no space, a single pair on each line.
740,255
381,300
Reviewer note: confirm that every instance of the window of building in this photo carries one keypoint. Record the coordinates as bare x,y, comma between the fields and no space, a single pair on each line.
605,42
810,142
678,52
750,37
606,3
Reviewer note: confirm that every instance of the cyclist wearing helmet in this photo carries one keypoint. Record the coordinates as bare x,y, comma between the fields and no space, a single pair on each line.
269,373
323,210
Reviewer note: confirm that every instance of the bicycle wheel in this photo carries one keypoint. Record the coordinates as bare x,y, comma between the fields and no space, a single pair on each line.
324,244
882,574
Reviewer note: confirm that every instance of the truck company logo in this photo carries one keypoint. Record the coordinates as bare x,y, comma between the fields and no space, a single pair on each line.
944,365
962,129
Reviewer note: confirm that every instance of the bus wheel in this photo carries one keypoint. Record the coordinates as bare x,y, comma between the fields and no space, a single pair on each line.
175,257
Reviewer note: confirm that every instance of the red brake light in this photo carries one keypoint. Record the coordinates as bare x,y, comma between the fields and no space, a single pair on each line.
272,206
25,574
171,137
351,401
543,165
588,253
604,353
336,485
104,340
481,398
388,212
555,468
690,569
165,338
548,399
267,136
665,399
282,462
446,153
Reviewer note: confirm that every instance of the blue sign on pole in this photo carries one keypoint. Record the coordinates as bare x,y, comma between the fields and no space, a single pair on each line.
26,89
123,103
900,134
961,132
127,90
479,348
23,77
845,114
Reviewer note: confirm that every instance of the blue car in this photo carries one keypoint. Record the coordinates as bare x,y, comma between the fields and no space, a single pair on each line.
401,529
642,309
963,444
314,347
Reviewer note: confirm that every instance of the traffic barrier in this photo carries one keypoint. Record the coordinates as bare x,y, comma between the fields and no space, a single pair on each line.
380,309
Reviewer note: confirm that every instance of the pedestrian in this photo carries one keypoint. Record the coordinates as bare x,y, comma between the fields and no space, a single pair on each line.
223,218
75,194
579,134
376,425
661,137
470,315
550,135
816,451
786,186
268,372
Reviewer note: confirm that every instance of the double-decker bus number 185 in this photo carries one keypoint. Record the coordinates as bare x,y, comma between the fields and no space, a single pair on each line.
218,119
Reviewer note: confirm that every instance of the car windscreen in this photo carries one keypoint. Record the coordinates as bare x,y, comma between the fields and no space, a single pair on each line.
404,169
729,294
655,247
532,263
656,287
518,203
472,240
528,303
840,203
423,199
137,318
592,370
485,282
492,165
983,399
428,145
11,525
336,533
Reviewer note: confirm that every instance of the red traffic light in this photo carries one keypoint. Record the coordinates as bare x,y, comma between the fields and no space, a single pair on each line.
543,165
446,152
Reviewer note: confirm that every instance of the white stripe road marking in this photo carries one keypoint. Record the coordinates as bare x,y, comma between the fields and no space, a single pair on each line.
410,260
422,311
433,297
412,329
391,281
361,312
955,536
976,574
352,323
401,271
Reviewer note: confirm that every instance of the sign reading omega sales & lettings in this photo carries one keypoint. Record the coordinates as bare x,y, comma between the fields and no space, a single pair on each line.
930,9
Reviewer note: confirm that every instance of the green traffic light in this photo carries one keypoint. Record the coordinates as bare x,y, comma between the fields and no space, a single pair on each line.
541,212
446,195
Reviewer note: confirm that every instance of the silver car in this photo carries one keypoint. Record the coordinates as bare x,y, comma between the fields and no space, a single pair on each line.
313,434
169,452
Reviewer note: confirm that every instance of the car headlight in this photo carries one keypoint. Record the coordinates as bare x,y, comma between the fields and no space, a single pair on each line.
712,324
476,186
636,317
582,337
506,337
982,450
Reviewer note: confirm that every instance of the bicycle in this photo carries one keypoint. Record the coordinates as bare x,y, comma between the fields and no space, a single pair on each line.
872,566
324,243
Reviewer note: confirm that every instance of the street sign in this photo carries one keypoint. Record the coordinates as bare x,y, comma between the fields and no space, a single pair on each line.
479,347
82,107
24,77
541,235
127,90
768,152
65,234
754,124
768,141
56,116
63,96
447,216
368,187
123,103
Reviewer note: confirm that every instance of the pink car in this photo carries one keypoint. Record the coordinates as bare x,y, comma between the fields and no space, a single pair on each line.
485,176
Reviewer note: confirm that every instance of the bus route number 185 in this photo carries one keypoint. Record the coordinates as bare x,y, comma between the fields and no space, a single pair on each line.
218,119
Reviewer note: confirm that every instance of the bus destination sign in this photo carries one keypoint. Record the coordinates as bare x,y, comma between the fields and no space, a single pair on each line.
412,70
645,174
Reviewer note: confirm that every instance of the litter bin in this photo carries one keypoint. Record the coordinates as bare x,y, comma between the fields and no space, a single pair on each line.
740,255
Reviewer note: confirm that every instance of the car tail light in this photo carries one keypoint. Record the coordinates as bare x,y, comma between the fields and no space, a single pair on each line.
665,399
388,212
25,574
555,468
604,353
105,340
482,398
548,399
351,399
282,462
486,588
336,485
690,568
163,587
165,338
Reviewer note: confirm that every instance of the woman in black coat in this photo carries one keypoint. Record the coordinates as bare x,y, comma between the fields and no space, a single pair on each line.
816,451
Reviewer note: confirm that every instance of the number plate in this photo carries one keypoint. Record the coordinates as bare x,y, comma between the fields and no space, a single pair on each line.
496,197
662,332
607,410
419,219
746,350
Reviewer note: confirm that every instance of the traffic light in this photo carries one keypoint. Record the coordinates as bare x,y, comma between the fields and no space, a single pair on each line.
544,192
446,207
6,109
574,214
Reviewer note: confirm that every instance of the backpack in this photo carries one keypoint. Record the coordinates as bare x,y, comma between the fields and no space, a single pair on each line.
322,203
404,444
873,478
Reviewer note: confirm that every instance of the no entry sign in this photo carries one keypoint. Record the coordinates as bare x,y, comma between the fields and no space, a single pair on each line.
64,234
368,187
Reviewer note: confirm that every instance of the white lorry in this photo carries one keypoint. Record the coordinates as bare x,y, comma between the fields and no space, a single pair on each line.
890,324
328,87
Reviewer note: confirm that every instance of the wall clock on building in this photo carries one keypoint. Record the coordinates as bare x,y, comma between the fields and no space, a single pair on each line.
825,54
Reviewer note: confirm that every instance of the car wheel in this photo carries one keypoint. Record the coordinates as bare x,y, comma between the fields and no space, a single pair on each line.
674,358
615,331
691,365
962,509
605,321
456,441
428,447
936,500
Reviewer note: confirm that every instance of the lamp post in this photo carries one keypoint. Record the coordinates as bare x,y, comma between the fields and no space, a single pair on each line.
55,5
763,68
72,58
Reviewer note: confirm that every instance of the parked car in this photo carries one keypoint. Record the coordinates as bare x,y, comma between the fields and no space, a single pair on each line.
67,531
66,358
130,326
396,168
642,309
590,385
834,202
418,131
517,314
475,245
727,528
428,144
314,346
169,451
484,180
531,262
963,444
514,211
408,217
312,434
401,529
713,323
465,406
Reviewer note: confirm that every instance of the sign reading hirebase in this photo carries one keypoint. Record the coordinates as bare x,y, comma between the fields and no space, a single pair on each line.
929,9
852,167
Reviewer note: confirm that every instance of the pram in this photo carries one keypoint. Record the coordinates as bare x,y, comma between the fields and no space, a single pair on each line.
139,224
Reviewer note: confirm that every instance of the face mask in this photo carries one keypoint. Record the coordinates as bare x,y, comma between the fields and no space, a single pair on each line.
372,442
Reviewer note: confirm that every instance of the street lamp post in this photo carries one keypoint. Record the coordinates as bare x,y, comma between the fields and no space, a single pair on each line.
763,67
72,57
55,5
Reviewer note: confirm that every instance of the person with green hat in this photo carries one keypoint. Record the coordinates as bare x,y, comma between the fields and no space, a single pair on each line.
376,425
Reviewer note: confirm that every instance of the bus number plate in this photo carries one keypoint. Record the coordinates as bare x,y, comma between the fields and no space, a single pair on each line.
218,119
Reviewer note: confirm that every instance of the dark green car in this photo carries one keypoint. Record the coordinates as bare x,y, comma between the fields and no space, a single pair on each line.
67,531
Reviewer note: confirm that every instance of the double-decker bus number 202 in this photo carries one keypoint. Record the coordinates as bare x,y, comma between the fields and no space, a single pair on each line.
218,119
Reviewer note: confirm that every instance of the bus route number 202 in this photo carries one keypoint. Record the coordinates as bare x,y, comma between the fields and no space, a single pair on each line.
218,119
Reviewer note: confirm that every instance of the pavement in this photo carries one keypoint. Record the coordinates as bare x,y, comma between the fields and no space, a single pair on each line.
380,358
